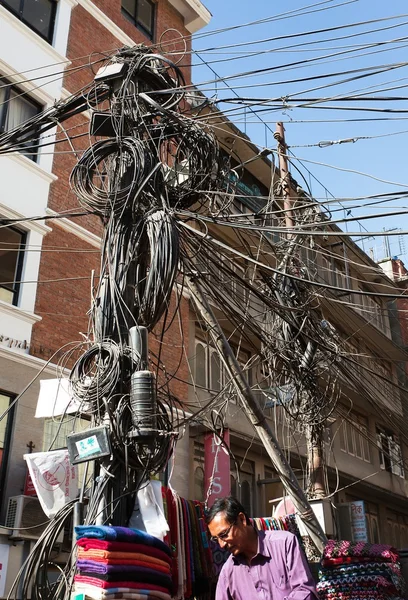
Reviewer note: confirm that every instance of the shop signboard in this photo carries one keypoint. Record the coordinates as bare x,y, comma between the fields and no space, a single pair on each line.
358,521
216,467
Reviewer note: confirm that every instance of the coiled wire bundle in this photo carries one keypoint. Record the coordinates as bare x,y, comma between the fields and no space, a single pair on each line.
159,241
194,163
109,174
97,373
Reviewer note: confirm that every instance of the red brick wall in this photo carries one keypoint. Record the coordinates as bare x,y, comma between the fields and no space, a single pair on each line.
89,38
64,292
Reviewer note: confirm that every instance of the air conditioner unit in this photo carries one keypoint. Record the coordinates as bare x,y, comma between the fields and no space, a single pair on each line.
26,518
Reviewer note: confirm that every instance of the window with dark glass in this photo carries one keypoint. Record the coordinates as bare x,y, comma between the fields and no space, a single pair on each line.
39,15
141,13
15,108
12,246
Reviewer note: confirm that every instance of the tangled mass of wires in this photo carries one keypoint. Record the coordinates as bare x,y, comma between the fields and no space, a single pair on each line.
171,208
152,161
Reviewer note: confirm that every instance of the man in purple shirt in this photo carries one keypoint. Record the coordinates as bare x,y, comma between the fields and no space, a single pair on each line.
267,565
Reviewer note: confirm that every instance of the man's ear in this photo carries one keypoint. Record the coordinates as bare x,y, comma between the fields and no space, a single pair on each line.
243,518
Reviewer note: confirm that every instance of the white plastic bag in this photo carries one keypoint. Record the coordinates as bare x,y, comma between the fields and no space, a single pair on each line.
151,509
54,478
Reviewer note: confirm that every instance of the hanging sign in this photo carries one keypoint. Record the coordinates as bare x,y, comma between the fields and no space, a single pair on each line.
217,478
358,521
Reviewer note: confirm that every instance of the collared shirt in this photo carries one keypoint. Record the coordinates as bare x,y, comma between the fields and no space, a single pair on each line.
279,571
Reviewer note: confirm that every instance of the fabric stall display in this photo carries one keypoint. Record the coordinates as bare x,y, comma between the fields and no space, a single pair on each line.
289,523
119,562
359,571
286,523
188,539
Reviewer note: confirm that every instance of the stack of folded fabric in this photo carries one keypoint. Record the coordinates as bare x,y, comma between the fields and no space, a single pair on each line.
118,562
359,571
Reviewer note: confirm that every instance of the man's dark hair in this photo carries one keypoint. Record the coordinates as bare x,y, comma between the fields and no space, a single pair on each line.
230,506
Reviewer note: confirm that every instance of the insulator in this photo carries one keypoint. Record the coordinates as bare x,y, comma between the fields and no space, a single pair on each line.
143,404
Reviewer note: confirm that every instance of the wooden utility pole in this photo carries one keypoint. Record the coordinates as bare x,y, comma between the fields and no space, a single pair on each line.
314,434
256,416
284,175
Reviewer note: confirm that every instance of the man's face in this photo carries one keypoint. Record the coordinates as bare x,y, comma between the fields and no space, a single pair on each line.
233,536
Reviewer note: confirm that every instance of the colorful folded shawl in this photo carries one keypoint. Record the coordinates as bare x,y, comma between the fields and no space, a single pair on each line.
107,546
341,549
127,574
123,557
113,593
106,585
125,563
120,534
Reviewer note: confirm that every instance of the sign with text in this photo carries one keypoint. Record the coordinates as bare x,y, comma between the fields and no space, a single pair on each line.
217,482
4,556
29,488
358,521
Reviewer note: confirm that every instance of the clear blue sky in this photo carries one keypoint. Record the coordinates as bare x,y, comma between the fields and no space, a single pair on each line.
383,157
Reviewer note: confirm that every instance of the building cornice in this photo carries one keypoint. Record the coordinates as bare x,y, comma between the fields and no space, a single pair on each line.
27,360
35,91
36,226
10,310
195,14
80,232
32,166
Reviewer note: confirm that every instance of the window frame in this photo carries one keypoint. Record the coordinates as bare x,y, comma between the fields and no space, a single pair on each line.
352,432
387,455
209,352
135,21
16,289
9,87
19,15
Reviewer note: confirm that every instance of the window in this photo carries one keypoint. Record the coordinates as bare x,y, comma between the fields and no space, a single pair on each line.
397,530
6,425
12,246
354,437
57,429
55,437
390,452
374,312
15,108
38,15
141,13
243,483
209,371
